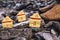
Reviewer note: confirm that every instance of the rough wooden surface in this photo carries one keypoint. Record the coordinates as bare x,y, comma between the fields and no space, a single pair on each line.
53,14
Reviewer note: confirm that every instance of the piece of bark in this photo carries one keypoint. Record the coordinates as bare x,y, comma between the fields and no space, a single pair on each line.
53,14
44,9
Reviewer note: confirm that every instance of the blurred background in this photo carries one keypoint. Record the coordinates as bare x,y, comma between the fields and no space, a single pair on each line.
58,1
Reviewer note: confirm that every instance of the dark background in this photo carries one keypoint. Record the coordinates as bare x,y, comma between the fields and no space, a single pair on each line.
58,1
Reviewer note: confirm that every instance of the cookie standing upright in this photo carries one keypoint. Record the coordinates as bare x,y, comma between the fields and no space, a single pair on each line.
21,16
35,20
7,22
